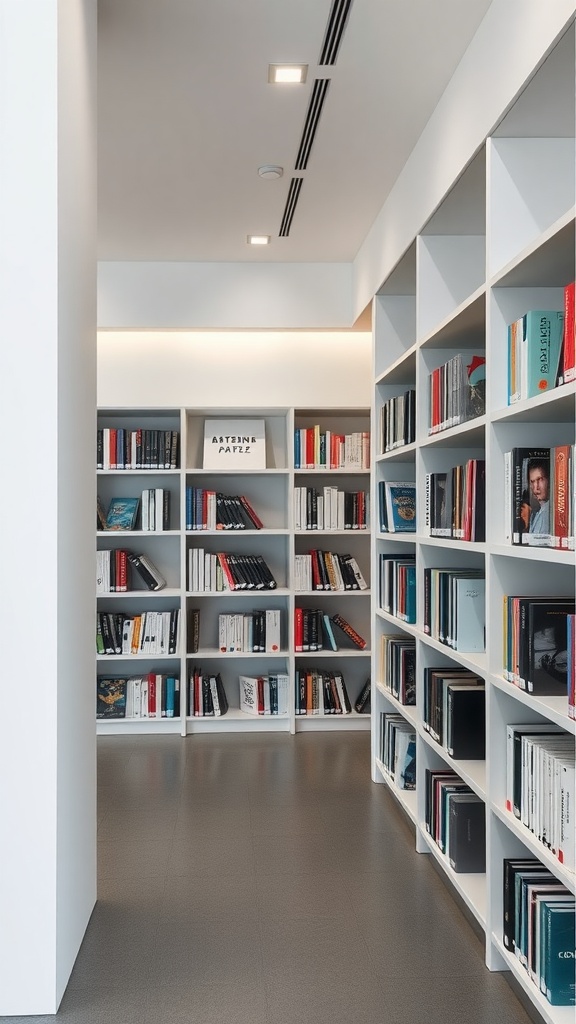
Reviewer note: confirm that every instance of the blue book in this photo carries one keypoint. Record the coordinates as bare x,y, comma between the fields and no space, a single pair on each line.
122,513
401,506
329,632
170,696
559,939
542,332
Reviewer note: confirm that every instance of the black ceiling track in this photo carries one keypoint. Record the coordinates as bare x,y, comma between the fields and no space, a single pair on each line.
311,123
289,209
334,31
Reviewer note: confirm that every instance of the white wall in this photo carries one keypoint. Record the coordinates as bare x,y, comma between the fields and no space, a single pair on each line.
225,296
242,369
47,414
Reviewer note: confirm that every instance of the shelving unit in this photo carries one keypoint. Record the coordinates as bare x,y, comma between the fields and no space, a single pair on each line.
501,242
270,492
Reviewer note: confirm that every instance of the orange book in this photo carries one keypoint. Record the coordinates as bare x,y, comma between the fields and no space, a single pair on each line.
561,495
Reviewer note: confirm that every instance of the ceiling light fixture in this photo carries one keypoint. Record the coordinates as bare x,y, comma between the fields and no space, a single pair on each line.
258,239
287,74
270,171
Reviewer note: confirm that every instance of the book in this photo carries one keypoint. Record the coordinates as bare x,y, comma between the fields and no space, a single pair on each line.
400,499
569,338
467,833
111,698
349,631
547,646
534,350
251,694
559,930
147,571
362,702
122,514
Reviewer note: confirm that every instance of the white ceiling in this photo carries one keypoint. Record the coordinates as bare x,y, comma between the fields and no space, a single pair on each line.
186,116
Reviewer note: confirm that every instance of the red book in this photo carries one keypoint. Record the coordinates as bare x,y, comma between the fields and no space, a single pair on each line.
560,505
152,695
569,341
113,457
298,629
223,560
260,695
310,448
251,513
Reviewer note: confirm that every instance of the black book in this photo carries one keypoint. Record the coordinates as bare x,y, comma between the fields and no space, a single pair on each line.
466,722
547,646
221,694
193,630
173,631
166,510
111,698
264,572
100,448
207,702
467,833
362,702
147,577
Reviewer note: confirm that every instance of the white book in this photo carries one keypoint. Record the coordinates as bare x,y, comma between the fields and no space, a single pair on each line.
469,597
297,509
215,698
159,509
567,831
248,694
272,630
283,689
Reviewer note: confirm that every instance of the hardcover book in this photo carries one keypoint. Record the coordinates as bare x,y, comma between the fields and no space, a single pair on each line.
400,507
111,698
122,514
467,833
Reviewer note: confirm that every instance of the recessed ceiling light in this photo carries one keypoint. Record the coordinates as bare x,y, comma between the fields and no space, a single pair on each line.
270,171
258,239
287,74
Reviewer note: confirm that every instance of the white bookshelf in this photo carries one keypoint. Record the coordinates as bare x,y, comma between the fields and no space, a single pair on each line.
270,491
501,242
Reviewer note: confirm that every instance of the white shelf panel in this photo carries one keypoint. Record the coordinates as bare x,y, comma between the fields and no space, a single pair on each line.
407,626
470,887
331,593
137,657
464,322
402,370
196,471
453,544
214,652
473,773
138,472
321,471
325,723
404,454
533,553
198,534
124,726
238,721
142,534
165,592
550,1014
405,797
331,533
265,592
408,711
402,538
468,435
543,262
557,405
555,709
325,653
536,848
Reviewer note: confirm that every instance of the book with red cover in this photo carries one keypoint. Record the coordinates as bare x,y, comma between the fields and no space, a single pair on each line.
569,340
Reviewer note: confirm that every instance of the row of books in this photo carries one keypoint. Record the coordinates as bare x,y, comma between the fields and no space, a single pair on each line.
454,608
216,572
398,750
119,448
153,695
397,667
327,570
398,587
398,421
539,352
153,632
254,631
455,502
539,927
540,785
211,510
397,505
321,692
264,695
314,630
330,509
540,496
318,449
115,567
206,695
455,818
535,643
454,712
457,391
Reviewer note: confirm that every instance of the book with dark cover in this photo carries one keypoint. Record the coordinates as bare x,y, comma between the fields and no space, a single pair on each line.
193,632
511,866
111,698
466,722
142,568
559,939
362,702
467,833
530,496
401,506
122,514
348,631
547,647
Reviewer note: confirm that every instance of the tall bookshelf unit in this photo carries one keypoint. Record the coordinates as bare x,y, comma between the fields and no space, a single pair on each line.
271,493
501,242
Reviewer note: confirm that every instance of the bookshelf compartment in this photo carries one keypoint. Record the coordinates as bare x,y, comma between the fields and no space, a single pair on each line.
275,426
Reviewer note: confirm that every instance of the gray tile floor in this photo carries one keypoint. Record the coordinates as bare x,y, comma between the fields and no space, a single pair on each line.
265,880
